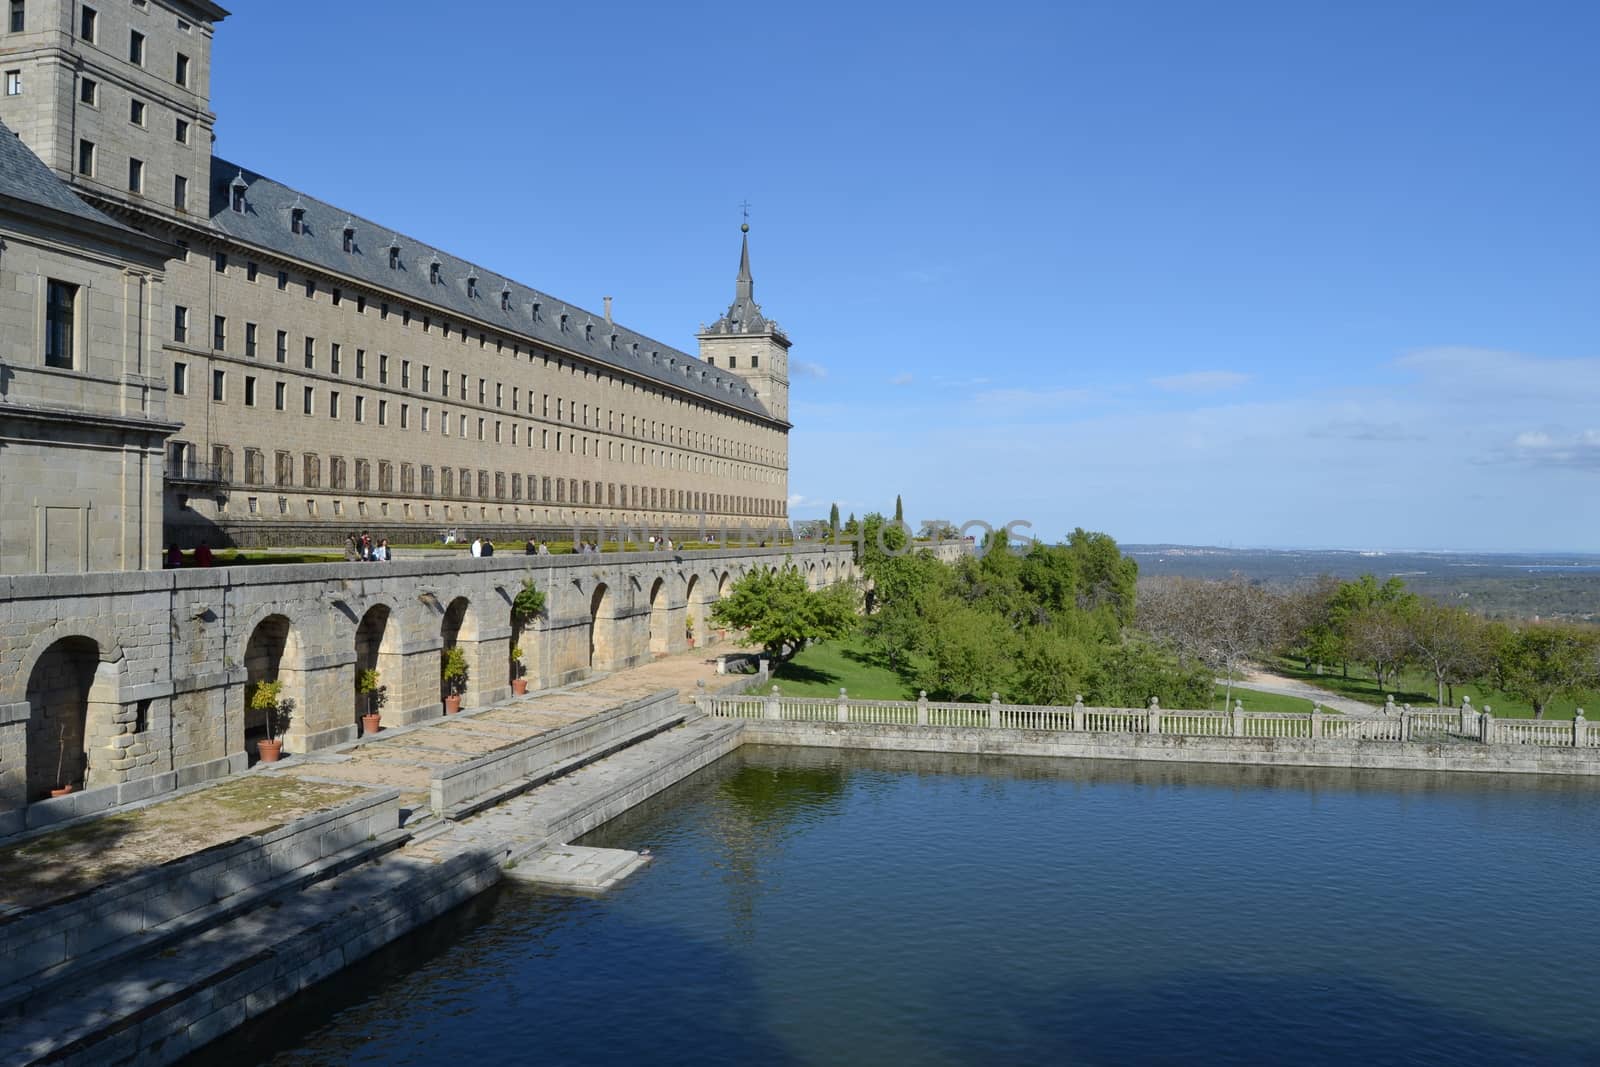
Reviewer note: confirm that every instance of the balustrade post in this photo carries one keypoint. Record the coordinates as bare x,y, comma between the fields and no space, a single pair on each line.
1580,729
994,711
1466,716
1388,705
1154,726
1238,718
844,705
1316,721
770,708
922,708
1077,715
1486,725
1405,723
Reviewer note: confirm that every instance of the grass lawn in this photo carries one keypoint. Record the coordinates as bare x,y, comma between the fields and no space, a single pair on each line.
1258,701
820,670
1416,689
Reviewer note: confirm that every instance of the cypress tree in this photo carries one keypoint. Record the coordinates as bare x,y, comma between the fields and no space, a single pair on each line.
833,520
899,511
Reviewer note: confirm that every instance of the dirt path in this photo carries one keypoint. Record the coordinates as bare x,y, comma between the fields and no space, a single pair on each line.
1267,682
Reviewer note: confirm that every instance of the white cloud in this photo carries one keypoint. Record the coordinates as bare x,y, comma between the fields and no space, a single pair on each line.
1538,447
1201,381
1030,401
801,369
1473,374
901,379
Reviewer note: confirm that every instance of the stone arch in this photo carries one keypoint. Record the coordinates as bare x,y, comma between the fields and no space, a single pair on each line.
827,572
660,616
699,612
72,694
602,627
377,649
273,653
457,626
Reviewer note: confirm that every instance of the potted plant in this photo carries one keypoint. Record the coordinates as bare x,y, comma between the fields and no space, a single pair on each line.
519,684
367,684
63,787
454,673
264,697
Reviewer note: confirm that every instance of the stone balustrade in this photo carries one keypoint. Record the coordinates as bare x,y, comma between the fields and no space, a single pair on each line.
1397,724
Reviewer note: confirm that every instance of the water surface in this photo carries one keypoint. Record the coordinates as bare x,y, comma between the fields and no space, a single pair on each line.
809,906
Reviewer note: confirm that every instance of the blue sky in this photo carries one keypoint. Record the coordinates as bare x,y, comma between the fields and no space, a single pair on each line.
1316,274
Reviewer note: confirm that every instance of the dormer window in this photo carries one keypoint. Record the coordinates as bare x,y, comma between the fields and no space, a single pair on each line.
533,310
238,197
505,300
297,220
612,342
394,257
433,272
563,322
349,239
711,361
472,288
588,331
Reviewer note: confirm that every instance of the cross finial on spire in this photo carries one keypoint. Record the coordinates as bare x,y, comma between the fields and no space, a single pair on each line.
745,207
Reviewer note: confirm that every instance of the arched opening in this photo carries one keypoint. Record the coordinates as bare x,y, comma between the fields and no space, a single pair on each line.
827,573
600,627
524,637
696,609
451,630
659,616
376,650
64,681
265,653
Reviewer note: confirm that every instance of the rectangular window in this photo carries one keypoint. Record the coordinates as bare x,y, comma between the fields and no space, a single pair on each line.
405,374
480,429
180,379
89,91
13,83
309,400
283,346
136,48
383,369
311,353
219,386
333,358
222,262
361,364
61,301
250,340
249,391
135,175
361,409
337,297
250,271
425,374
87,18
383,413
18,16
283,280
180,72
405,416
86,158
280,396
444,422
180,323
181,131
219,332
136,112
333,405
311,288
424,420
180,192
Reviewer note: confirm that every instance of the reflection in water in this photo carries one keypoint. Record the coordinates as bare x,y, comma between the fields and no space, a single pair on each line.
818,906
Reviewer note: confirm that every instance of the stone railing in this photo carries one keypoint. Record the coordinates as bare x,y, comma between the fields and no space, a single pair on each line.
1398,724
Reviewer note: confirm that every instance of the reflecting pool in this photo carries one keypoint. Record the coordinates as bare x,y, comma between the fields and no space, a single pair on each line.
810,906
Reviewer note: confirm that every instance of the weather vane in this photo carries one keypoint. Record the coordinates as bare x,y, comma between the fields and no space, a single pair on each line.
745,207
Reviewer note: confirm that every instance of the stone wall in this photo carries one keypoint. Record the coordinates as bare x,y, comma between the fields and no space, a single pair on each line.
150,668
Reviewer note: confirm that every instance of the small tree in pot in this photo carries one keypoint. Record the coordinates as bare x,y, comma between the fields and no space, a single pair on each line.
368,685
519,684
526,606
266,697
454,673
63,787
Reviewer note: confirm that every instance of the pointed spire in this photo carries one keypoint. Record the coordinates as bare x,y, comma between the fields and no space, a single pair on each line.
745,285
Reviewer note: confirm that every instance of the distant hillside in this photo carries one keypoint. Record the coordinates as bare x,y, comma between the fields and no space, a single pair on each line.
1565,586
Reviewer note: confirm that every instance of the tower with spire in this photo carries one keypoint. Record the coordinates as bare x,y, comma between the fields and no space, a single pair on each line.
748,343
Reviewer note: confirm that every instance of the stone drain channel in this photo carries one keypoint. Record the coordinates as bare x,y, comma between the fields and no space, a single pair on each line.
148,968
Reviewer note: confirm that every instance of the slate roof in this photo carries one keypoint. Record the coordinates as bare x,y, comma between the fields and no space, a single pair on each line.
24,176
266,223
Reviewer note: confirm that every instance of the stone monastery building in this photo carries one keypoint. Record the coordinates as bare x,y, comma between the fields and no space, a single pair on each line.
190,350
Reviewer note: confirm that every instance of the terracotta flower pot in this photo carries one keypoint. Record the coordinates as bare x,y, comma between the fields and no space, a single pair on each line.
370,725
270,751
452,704
519,686
63,791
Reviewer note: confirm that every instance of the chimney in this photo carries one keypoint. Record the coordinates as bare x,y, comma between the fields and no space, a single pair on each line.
608,311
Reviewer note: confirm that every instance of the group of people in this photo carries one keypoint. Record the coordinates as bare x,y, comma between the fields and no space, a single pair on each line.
360,548
482,547
536,548
174,560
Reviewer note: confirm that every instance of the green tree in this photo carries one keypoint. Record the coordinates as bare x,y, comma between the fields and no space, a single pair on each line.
833,522
1452,643
1540,663
1354,597
780,613
899,510
968,657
